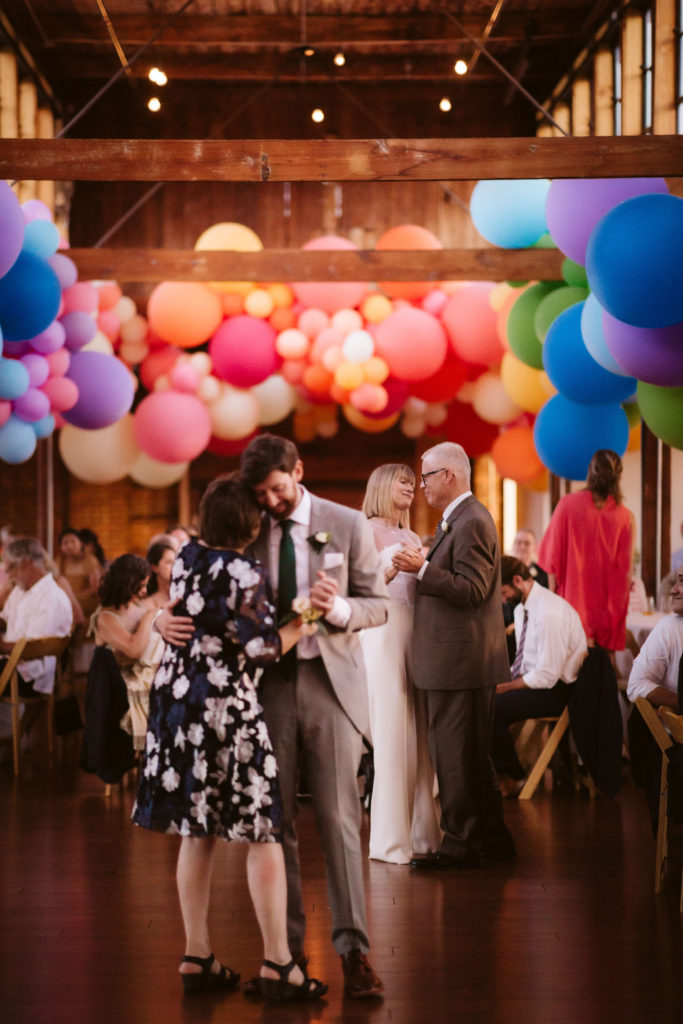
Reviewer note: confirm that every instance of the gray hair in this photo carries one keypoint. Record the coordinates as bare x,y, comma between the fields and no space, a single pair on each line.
453,456
24,547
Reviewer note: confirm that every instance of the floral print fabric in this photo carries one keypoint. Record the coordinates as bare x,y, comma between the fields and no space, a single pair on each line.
208,766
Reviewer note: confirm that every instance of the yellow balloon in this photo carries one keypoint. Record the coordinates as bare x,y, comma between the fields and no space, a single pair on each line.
530,389
99,456
229,237
348,375
149,472
368,424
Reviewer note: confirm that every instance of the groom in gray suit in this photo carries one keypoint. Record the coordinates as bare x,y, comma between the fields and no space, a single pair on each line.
315,703
459,655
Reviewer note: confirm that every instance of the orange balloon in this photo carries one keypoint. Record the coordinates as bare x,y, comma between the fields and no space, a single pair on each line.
515,456
184,313
317,378
293,370
376,370
368,424
282,318
407,236
340,395
348,375
233,305
539,483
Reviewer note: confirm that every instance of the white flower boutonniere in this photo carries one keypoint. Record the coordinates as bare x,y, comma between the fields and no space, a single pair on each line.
445,526
319,540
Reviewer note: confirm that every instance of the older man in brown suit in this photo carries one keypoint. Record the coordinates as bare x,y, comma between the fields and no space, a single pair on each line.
459,654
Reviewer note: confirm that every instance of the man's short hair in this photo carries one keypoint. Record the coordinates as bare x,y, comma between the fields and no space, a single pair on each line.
453,456
24,547
510,567
266,453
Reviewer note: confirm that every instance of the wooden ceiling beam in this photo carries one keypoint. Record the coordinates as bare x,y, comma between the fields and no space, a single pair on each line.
339,160
152,265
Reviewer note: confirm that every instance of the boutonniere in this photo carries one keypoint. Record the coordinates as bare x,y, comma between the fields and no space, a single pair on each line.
311,618
445,526
319,540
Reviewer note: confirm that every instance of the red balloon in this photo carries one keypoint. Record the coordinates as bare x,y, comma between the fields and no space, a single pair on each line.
157,363
171,426
413,343
463,426
220,446
472,324
445,383
398,391
243,351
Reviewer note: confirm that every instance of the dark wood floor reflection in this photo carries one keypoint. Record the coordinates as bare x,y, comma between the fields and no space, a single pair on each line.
570,934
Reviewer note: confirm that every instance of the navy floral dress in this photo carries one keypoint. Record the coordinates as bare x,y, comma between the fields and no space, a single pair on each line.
208,766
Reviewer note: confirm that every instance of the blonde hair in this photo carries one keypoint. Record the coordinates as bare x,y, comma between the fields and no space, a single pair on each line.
378,500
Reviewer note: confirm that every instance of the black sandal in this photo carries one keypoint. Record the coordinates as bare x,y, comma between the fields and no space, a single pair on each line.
207,980
280,989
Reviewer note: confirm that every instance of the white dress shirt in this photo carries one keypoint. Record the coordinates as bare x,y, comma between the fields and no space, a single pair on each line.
659,658
43,610
444,524
307,646
555,643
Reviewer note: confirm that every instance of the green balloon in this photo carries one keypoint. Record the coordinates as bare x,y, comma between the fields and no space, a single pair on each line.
574,273
544,242
522,336
662,410
632,413
552,305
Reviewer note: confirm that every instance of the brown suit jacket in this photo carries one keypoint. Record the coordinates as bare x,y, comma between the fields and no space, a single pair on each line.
459,636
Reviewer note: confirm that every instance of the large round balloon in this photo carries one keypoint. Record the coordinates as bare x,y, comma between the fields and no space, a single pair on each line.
652,354
243,351
528,387
413,343
510,213
515,455
593,334
575,205
11,228
491,401
407,236
634,259
150,472
17,440
29,297
550,307
573,370
521,330
276,399
567,435
463,426
184,313
99,456
105,390
472,324
234,414
171,426
330,295
229,237
662,410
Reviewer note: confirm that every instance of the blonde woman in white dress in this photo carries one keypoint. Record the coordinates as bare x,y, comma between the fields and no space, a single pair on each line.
403,817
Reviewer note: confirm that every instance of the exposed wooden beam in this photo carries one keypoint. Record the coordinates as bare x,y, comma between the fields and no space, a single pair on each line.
147,265
339,160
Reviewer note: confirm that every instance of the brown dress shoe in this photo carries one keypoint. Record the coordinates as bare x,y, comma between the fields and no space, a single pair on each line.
360,981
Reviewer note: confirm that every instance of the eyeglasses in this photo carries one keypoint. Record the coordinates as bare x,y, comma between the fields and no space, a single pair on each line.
431,473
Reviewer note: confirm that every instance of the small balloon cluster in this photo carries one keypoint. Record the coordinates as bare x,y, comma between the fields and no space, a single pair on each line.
613,332
47,322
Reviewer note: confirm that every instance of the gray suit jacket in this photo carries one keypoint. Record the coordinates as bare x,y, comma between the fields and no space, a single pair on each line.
361,583
459,637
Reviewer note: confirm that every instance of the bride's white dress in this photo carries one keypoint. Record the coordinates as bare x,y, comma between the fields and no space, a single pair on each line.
403,815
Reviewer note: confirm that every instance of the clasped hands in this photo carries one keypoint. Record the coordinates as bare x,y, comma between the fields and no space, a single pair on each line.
409,558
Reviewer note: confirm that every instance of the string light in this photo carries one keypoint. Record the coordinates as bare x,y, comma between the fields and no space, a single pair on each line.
445,104
154,104
309,51
339,59
317,115
460,67
157,76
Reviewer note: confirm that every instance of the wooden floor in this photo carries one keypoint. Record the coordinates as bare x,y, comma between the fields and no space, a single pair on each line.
570,934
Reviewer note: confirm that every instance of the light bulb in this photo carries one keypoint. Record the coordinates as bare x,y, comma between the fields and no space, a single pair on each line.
157,76
460,67
339,59
445,104
318,115
309,51
154,104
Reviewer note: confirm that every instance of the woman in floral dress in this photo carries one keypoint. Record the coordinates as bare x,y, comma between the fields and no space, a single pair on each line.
208,768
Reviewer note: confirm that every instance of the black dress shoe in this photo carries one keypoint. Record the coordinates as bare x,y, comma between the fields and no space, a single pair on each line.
446,862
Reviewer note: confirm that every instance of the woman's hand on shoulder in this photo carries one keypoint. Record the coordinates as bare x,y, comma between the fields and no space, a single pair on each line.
175,629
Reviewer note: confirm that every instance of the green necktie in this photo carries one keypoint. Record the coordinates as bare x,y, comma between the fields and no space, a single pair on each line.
286,585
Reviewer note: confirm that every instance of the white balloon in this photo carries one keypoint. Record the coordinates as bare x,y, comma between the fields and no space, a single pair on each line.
234,414
100,343
99,456
435,414
210,388
125,308
358,346
150,472
276,399
491,401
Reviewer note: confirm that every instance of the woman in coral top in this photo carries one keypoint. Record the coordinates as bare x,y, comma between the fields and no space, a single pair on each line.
587,552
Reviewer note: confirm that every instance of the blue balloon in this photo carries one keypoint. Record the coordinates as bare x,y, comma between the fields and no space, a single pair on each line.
14,379
510,213
41,237
44,427
17,440
30,295
593,334
567,435
573,370
634,261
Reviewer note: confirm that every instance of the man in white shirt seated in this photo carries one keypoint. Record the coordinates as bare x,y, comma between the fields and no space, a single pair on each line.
36,607
656,672
551,647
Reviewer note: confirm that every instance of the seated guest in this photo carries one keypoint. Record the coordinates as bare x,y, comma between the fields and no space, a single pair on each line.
37,607
524,548
551,647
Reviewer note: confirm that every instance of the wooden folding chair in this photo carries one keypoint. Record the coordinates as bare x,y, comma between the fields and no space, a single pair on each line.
26,650
667,730
560,724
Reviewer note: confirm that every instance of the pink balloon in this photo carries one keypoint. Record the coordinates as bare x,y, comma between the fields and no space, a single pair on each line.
184,378
64,268
243,351
5,411
172,427
109,323
80,329
81,298
38,368
326,295
31,406
58,362
328,337
35,209
413,343
471,323
312,322
62,393
49,340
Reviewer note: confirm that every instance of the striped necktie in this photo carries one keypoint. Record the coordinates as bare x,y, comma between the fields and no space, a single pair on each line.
517,663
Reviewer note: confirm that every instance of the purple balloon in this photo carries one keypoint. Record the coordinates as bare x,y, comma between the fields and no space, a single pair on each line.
575,205
16,348
35,209
65,269
49,340
38,368
652,354
32,406
11,228
80,329
105,390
